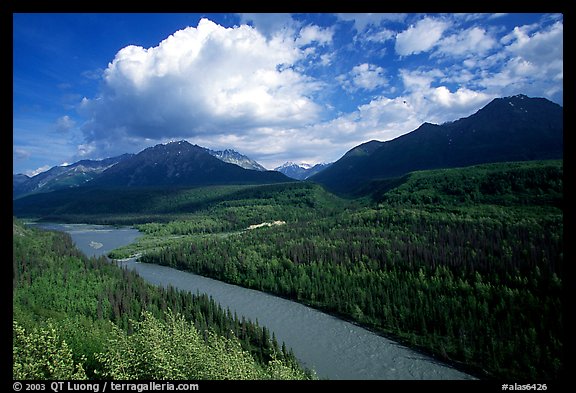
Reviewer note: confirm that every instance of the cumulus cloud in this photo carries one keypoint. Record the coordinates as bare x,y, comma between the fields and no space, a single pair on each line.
474,41
435,102
380,35
207,80
531,63
269,24
420,37
461,99
86,149
540,47
415,80
313,33
364,76
326,59
258,88
382,118
65,124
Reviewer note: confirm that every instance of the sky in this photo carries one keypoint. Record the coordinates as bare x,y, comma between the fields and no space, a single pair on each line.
275,87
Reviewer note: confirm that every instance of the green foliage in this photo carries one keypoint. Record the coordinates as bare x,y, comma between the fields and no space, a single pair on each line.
87,300
466,264
228,207
174,349
41,354
537,183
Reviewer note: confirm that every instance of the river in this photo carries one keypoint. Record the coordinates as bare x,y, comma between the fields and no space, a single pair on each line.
334,348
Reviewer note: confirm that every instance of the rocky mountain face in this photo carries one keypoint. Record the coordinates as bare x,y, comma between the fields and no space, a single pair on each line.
180,164
300,171
59,177
233,157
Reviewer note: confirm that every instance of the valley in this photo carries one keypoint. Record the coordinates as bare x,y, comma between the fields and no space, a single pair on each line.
449,240
471,282
464,264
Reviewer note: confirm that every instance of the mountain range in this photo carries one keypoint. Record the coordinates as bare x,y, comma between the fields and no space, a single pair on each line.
82,172
233,157
63,176
517,128
301,171
178,164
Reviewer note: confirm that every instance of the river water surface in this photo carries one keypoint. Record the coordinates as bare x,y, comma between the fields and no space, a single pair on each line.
335,349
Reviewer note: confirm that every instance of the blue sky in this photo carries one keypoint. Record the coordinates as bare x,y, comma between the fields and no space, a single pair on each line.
276,87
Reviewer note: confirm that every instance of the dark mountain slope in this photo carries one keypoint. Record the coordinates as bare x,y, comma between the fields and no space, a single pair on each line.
180,164
515,128
60,177
135,184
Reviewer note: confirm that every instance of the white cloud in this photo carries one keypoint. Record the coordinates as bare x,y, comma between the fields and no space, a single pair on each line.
433,102
497,15
540,47
461,99
312,33
470,42
380,36
246,87
20,154
364,76
37,171
468,17
93,74
382,119
65,124
208,80
387,118
419,79
327,58
269,24
420,37
86,149
531,63
460,75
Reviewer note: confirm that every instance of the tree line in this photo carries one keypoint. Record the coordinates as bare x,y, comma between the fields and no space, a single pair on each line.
474,281
92,317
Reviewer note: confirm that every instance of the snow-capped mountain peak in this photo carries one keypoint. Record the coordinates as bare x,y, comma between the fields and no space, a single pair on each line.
300,171
233,157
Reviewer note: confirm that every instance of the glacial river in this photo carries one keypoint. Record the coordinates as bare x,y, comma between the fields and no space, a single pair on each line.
335,349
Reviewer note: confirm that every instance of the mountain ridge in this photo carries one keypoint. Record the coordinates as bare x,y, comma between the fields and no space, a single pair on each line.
233,157
63,176
516,128
180,164
301,171
511,128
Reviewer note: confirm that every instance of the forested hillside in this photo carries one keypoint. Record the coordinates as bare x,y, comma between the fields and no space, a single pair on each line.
464,263
76,317
517,128
234,206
